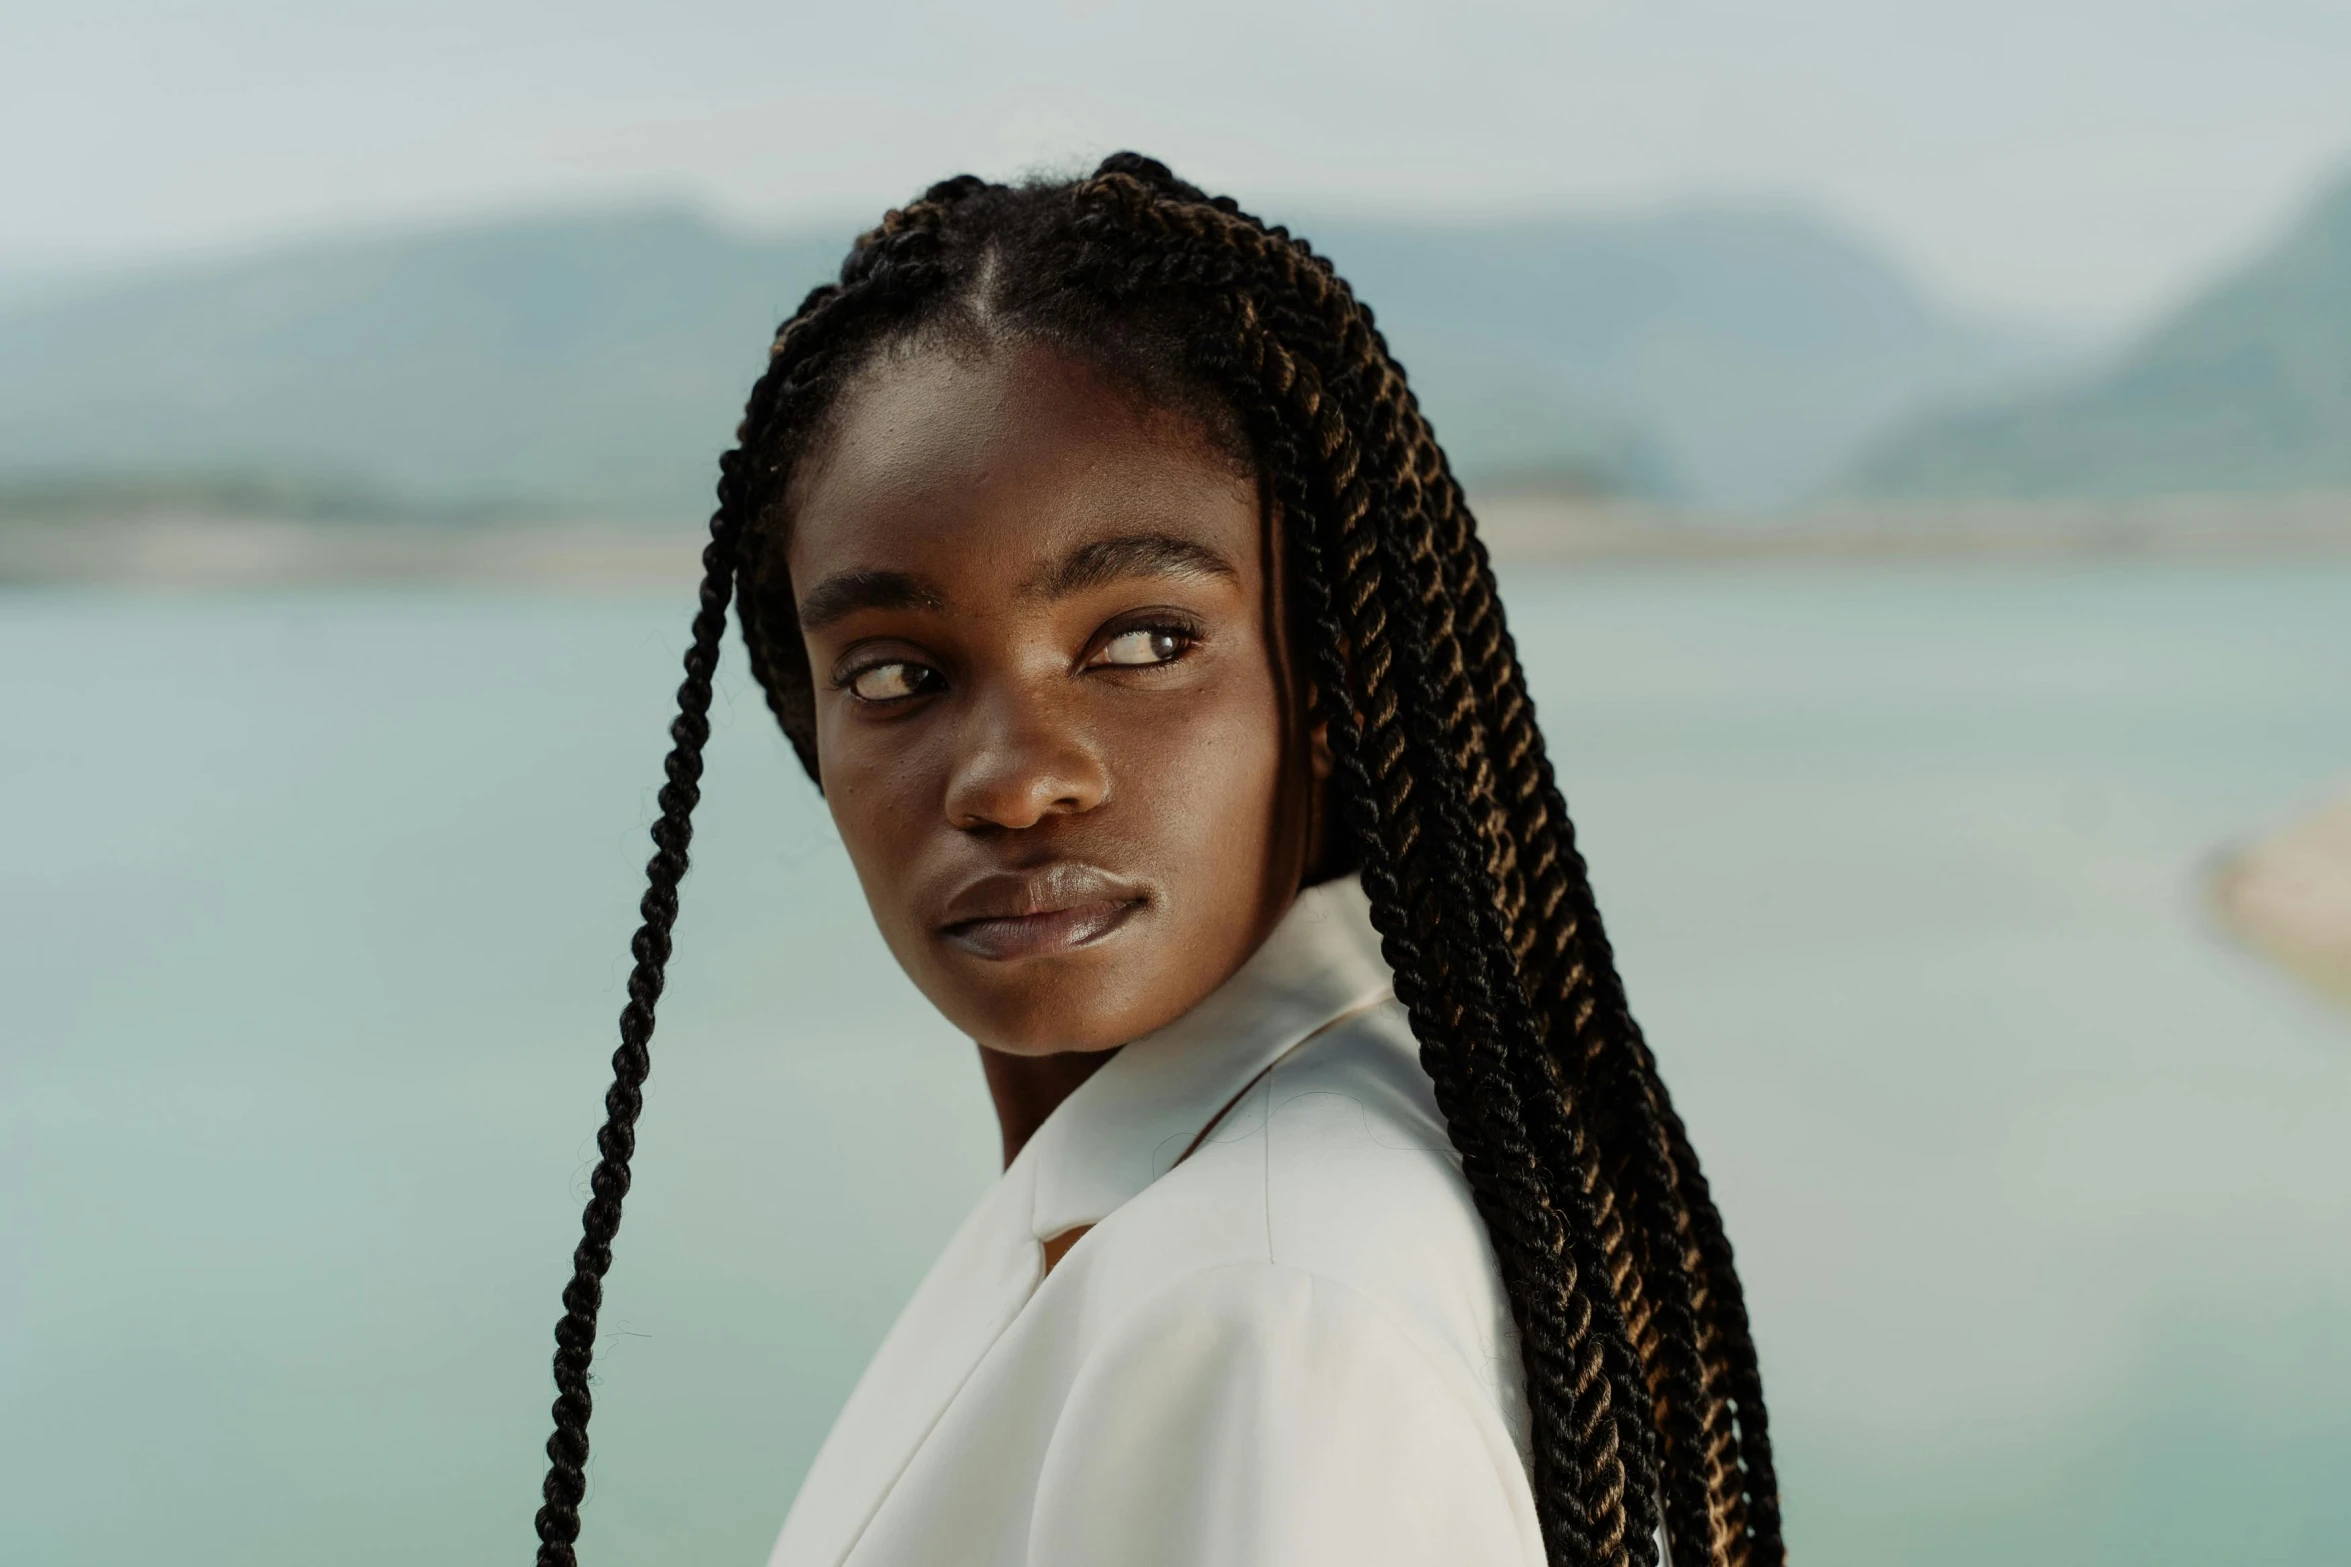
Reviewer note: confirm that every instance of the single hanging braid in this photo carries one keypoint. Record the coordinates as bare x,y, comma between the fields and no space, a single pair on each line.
608,1185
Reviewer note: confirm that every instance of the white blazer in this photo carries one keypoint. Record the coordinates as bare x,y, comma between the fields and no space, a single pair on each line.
1282,1342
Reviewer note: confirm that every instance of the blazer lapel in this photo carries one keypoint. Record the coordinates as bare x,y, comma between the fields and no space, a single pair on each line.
979,1284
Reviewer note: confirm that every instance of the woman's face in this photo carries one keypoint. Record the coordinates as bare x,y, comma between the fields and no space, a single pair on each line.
1054,716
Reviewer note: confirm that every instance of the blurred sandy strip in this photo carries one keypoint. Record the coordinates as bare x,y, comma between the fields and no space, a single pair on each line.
2289,897
196,551
206,552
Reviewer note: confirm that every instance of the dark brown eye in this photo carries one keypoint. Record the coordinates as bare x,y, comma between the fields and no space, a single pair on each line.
891,682
1145,645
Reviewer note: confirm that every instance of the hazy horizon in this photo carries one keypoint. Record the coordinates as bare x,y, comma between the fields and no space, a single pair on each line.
2079,165
21,273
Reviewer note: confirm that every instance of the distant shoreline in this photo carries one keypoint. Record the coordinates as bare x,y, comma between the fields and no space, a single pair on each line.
1543,527
163,550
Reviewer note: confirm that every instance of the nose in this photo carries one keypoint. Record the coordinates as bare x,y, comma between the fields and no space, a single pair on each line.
1020,761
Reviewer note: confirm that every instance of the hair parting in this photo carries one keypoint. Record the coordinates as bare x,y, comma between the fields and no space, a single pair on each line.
1643,1388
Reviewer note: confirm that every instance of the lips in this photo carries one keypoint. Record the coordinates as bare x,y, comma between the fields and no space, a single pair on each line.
1034,913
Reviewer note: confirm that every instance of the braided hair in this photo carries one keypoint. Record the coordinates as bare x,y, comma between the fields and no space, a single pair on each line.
1645,1399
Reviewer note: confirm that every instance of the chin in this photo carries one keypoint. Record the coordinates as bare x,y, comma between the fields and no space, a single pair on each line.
1046,1009
1055,1027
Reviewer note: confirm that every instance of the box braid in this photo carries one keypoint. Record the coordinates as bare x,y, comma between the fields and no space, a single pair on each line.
1642,1382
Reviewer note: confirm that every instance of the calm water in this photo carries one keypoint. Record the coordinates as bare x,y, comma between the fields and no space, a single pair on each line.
312,936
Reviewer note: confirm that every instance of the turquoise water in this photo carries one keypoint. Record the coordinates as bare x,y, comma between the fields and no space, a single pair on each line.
313,931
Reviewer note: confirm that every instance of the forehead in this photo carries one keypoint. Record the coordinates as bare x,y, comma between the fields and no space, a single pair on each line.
974,463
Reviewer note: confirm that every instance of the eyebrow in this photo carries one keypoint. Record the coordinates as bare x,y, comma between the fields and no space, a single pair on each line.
1128,555
846,592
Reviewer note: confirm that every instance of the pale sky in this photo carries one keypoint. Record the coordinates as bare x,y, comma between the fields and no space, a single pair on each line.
2082,162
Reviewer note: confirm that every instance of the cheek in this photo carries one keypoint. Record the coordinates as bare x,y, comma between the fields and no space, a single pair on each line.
873,791
1204,770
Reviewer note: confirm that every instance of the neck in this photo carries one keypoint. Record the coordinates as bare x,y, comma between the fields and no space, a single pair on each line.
1027,1089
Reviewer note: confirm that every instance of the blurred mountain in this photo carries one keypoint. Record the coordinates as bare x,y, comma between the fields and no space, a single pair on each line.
596,364
1741,356
593,362
2245,388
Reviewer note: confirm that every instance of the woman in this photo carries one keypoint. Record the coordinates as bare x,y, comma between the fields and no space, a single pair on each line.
1102,571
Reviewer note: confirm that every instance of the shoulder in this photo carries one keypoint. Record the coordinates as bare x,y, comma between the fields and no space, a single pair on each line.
1257,1413
1358,1164
1336,1166
1363,1187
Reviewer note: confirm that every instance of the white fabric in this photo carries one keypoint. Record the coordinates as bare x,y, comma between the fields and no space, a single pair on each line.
1290,1348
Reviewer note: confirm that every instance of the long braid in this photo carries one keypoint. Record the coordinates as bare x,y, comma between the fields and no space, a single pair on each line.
608,1185
1451,600
1640,1367
1587,1396
1526,867
1537,892
1596,1033
1560,943
1759,1476
1533,897
1596,1044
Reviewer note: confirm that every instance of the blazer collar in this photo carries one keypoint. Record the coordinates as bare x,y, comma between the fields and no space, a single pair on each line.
1130,1123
